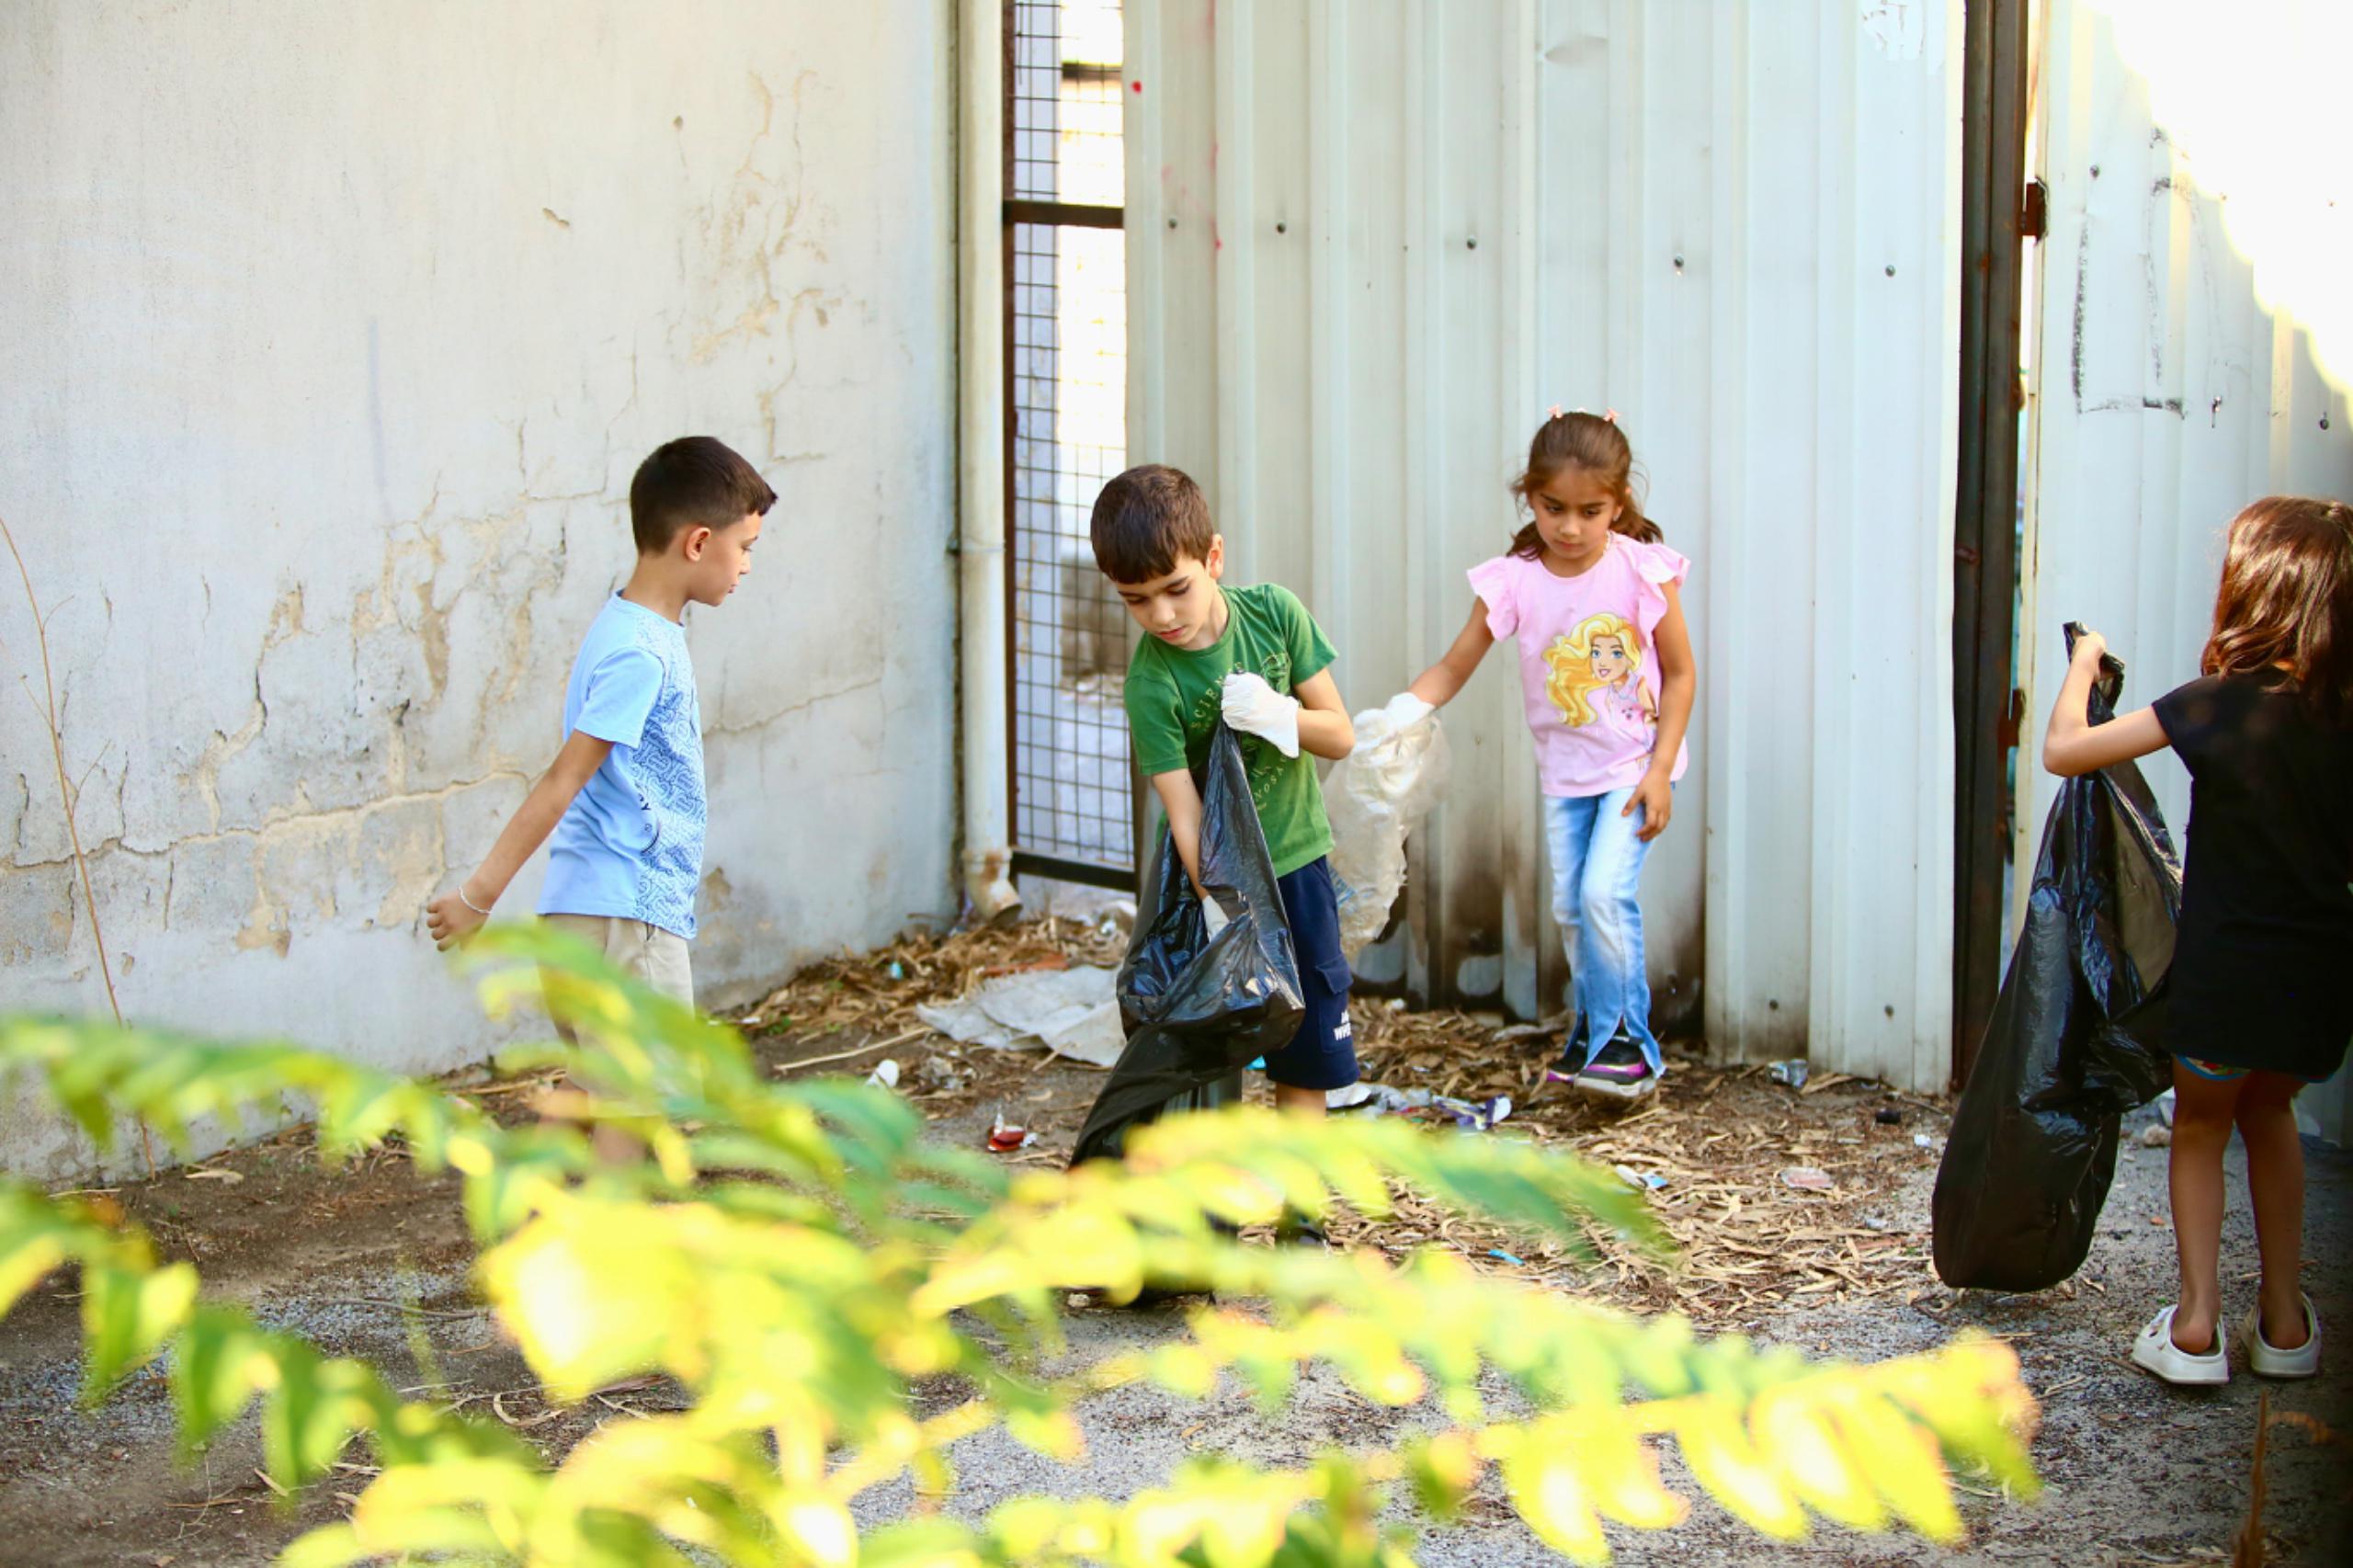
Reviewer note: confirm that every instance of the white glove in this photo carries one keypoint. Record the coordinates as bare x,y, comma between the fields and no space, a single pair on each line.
1254,708
1405,710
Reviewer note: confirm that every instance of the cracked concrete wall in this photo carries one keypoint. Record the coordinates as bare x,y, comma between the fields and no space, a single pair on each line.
333,336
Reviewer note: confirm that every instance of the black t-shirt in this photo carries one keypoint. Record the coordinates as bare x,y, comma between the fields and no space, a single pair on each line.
2263,973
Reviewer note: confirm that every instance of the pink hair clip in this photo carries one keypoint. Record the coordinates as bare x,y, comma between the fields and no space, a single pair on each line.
1609,418
1553,412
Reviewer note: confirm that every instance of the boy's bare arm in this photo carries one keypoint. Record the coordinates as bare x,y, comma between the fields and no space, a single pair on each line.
1182,802
1324,726
454,917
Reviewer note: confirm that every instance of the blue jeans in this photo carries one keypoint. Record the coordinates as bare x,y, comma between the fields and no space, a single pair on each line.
1597,874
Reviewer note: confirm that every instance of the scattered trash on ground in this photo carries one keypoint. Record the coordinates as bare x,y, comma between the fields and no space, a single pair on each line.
1070,1012
877,993
1004,1138
885,1075
1718,1136
1515,1262
1793,1072
1380,1099
1887,1116
1805,1178
2156,1135
1645,1181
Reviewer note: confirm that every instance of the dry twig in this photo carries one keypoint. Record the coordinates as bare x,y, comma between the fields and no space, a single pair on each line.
69,797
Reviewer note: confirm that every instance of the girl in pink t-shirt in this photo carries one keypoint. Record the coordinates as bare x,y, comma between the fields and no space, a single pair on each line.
1606,675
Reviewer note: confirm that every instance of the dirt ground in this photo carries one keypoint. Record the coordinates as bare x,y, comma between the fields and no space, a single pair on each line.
372,1260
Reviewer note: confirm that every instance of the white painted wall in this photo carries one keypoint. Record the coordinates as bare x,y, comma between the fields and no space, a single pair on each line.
333,336
1371,240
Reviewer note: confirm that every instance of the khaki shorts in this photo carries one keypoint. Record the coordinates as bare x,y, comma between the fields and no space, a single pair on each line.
658,958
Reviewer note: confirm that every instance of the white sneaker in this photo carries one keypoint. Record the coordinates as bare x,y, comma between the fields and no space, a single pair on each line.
2155,1351
2264,1361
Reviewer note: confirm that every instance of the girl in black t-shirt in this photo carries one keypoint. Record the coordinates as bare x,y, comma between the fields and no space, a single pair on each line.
2262,976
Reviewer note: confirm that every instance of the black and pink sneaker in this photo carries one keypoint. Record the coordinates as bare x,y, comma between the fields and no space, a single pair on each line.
1618,1071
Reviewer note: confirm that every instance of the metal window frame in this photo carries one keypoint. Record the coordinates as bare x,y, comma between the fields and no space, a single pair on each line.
1016,211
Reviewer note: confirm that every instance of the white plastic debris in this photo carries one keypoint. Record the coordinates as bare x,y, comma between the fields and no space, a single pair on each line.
1071,1012
1380,1099
1375,795
885,1075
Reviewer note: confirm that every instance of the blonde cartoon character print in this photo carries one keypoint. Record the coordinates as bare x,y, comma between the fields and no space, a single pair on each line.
1601,658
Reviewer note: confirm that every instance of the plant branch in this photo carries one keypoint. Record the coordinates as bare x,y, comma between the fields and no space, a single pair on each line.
66,794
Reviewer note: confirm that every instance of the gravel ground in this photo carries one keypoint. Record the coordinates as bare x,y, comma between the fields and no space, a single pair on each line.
373,1261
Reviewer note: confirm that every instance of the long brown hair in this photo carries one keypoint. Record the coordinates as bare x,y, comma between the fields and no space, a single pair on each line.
1593,443
2286,600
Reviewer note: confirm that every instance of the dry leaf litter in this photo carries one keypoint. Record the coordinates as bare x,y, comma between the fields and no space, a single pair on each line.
1715,1150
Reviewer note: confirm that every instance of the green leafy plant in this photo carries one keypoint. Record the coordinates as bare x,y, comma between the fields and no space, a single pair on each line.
798,1256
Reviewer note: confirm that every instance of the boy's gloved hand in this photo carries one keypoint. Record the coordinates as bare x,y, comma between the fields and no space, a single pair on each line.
1254,708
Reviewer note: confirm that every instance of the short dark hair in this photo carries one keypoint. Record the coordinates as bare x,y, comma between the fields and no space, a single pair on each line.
1146,519
692,482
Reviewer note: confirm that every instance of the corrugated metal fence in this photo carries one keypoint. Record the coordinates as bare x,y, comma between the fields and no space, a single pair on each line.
2170,389
2168,396
1371,240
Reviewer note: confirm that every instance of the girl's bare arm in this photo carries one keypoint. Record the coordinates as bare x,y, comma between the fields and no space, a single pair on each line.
1678,686
1437,685
2074,745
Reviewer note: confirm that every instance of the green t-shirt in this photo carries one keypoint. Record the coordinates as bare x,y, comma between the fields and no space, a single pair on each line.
1175,696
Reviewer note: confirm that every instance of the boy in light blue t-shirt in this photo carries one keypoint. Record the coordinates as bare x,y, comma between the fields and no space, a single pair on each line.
624,798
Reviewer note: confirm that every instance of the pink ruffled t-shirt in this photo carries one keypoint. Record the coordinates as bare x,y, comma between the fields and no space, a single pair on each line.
1588,663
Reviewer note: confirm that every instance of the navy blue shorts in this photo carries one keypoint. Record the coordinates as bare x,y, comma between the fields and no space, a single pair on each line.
1322,1055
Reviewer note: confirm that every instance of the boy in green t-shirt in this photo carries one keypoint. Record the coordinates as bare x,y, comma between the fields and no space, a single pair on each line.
1256,658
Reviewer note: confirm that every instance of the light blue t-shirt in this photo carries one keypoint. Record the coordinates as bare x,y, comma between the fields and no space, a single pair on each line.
630,843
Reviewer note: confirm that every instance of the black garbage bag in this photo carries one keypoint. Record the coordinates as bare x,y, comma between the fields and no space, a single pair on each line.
2077,1037
1200,1008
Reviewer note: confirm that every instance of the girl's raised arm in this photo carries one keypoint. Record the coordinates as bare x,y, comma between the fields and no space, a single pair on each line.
2074,745
1437,685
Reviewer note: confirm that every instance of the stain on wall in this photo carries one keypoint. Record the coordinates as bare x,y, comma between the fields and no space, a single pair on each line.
334,345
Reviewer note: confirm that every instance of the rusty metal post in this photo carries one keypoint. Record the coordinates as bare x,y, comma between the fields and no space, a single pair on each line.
1995,224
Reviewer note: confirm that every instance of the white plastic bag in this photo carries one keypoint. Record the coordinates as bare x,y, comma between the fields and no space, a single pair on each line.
1376,796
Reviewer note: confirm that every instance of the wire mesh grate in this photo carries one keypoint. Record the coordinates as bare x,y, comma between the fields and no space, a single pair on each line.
1074,791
